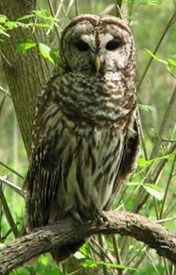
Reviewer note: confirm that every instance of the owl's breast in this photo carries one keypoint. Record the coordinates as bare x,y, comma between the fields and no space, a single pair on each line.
95,98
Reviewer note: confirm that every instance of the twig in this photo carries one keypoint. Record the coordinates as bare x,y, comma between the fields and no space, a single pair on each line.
6,92
100,250
67,231
108,10
8,214
11,170
156,49
54,16
117,254
166,220
102,254
142,196
6,59
16,188
59,8
76,8
169,111
167,187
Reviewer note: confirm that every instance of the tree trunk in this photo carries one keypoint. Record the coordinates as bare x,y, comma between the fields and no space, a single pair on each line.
27,72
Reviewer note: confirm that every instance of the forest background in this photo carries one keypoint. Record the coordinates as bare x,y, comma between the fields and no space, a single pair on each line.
150,191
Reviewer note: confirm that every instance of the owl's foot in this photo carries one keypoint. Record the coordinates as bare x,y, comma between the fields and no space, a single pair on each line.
101,218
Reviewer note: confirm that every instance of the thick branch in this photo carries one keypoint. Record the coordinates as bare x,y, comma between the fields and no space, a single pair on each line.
67,232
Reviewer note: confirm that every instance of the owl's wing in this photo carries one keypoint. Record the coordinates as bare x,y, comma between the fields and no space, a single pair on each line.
128,159
42,177
41,186
130,152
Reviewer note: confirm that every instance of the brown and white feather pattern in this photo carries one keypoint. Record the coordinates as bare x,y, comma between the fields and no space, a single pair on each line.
85,135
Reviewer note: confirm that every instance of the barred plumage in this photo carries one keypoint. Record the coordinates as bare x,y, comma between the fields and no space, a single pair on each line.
85,135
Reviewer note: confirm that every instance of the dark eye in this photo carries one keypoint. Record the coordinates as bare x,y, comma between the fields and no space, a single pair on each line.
81,46
113,45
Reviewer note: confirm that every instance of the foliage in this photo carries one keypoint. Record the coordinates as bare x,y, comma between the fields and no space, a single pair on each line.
150,190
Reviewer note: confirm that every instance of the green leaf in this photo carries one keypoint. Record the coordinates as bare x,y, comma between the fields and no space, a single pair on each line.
43,15
154,191
44,259
133,184
28,16
152,2
11,25
172,62
156,58
147,108
84,250
45,52
25,46
143,162
79,256
3,18
2,31
42,25
54,53
92,264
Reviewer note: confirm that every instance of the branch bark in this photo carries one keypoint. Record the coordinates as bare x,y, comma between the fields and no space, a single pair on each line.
67,231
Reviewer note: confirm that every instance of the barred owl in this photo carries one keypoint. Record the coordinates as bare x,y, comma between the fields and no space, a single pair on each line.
85,134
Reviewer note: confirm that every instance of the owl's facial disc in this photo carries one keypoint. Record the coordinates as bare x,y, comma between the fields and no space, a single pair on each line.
96,45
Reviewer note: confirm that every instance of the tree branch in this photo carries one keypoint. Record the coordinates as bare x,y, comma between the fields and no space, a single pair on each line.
67,231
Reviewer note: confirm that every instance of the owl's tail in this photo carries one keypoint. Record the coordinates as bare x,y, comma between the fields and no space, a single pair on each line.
60,254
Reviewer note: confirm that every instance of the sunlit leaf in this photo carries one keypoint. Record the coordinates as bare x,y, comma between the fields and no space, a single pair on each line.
92,264
78,255
133,184
143,162
172,62
154,191
11,25
28,16
3,32
45,52
25,46
152,2
44,259
3,18
84,250
43,15
147,108
156,58
42,25
54,53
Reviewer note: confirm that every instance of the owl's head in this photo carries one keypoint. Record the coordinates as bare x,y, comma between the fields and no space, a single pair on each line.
97,44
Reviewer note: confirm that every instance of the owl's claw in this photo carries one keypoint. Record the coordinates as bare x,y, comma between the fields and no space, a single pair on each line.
101,218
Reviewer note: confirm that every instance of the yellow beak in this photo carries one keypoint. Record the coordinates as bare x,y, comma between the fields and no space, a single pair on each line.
97,63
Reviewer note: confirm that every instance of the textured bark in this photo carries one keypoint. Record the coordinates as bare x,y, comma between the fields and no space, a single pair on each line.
67,232
27,72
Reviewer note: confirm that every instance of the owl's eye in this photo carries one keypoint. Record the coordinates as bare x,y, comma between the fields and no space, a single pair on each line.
113,44
81,46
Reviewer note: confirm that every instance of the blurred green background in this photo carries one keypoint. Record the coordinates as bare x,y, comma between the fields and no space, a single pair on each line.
148,20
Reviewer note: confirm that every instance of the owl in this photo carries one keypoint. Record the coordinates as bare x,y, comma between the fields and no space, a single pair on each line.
85,134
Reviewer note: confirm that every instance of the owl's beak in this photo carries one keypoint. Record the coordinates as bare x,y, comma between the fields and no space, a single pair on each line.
97,63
